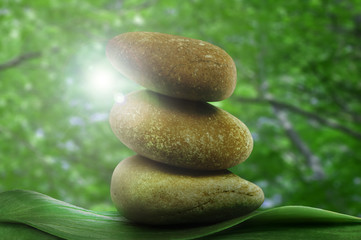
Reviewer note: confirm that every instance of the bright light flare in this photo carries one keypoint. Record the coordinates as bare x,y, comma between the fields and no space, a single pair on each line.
119,98
101,80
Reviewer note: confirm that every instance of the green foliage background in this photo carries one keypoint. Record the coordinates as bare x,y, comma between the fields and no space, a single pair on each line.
298,91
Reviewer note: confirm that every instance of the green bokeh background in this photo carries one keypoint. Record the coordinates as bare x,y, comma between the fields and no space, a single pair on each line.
298,91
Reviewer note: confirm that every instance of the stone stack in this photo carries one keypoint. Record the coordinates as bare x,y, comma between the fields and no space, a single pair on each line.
184,145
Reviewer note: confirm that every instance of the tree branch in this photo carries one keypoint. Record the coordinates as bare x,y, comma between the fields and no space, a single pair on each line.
311,160
19,60
310,115
263,89
343,110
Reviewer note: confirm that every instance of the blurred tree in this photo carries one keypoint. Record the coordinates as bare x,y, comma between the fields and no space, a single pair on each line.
298,91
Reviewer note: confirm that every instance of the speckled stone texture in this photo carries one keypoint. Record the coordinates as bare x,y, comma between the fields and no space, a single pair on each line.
154,193
181,133
184,145
176,66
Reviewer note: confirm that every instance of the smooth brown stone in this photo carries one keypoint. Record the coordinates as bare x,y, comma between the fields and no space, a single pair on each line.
182,133
173,65
153,193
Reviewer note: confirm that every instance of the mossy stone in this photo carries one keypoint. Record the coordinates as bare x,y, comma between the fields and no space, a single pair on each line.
153,193
173,65
182,133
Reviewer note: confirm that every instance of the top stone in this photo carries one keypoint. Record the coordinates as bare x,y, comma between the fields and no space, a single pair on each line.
173,65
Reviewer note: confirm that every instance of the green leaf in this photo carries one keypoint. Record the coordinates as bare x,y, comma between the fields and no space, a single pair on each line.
16,231
71,222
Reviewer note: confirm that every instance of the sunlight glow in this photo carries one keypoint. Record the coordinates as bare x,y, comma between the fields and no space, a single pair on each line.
101,80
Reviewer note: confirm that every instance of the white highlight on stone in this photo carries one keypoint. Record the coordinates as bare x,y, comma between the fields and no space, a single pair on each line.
119,98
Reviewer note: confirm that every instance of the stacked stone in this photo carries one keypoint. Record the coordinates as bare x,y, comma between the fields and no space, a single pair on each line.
184,145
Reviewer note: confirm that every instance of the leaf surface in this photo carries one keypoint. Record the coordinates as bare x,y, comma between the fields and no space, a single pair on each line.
67,221
16,231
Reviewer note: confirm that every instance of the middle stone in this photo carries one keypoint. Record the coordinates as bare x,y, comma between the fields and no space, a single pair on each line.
182,133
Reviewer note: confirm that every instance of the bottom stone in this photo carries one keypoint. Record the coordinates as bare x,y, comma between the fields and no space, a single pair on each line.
153,193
